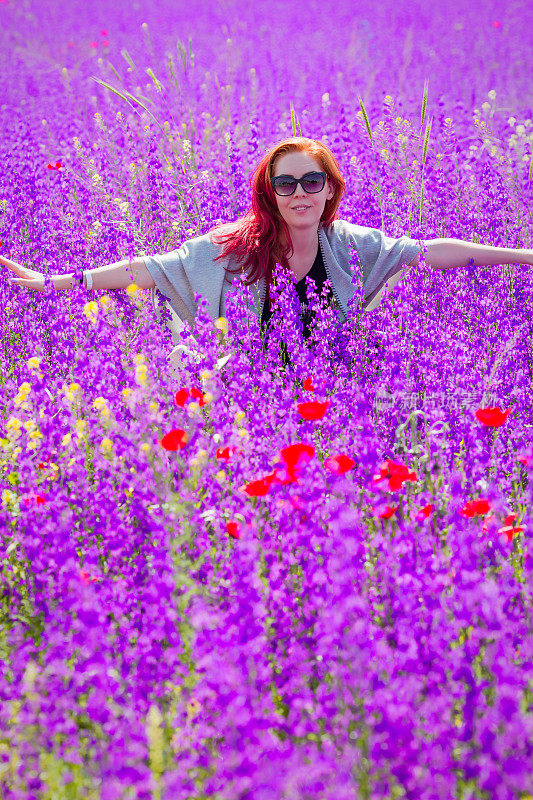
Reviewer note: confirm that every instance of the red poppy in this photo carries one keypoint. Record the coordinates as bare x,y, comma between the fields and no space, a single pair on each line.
259,487
233,528
496,23
181,397
424,512
339,464
527,461
225,453
57,165
388,512
198,395
509,528
396,474
174,440
308,385
313,410
476,508
296,454
86,578
34,499
493,416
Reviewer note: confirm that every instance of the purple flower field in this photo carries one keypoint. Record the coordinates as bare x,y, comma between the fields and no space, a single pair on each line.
282,570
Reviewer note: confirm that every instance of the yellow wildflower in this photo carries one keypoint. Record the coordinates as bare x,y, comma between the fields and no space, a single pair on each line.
100,403
73,392
220,476
81,428
13,428
141,372
239,416
106,447
105,300
7,497
145,447
222,324
132,290
126,393
91,311
66,440
22,394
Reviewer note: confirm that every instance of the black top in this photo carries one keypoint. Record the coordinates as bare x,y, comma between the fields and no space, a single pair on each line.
318,274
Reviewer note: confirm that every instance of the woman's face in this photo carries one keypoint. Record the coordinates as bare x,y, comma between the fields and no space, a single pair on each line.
296,165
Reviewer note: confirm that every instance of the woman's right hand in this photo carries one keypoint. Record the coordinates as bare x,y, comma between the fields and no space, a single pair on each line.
29,278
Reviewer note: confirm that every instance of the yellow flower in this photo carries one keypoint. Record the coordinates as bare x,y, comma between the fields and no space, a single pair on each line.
73,392
106,447
193,408
126,393
243,432
208,398
140,374
105,300
132,290
7,497
239,416
23,392
91,311
145,447
81,428
139,358
154,406
205,374
222,324
220,476
100,403
13,427
34,362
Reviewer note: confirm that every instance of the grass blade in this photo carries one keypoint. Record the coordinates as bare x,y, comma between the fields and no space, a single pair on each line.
124,53
367,123
424,103
426,142
530,171
157,84
293,121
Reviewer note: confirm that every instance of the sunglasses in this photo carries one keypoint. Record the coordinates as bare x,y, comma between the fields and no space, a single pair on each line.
311,182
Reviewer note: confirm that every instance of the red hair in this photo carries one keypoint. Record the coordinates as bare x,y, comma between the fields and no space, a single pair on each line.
255,241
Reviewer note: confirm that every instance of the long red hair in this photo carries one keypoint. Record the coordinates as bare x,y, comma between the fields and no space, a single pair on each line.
255,243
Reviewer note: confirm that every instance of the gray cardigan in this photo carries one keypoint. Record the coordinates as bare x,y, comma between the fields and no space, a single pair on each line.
191,269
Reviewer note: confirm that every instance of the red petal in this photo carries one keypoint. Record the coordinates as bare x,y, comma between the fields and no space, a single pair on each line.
180,398
233,528
389,511
174,440
308,385
475,507
493,416
297,453
313,410
339,464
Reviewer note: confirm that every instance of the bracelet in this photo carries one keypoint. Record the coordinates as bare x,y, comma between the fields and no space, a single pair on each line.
88,280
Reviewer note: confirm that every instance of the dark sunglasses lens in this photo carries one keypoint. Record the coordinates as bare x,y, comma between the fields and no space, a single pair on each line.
313,182
285,185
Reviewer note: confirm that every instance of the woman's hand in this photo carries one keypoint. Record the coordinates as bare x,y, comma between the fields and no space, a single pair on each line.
29,278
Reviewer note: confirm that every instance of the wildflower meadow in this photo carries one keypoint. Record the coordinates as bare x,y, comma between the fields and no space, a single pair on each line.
269,569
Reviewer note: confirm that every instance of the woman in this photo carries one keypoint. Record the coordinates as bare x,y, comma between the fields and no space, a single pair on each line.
296,191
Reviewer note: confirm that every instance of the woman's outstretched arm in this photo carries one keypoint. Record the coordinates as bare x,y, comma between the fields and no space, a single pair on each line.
113,276
452,253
